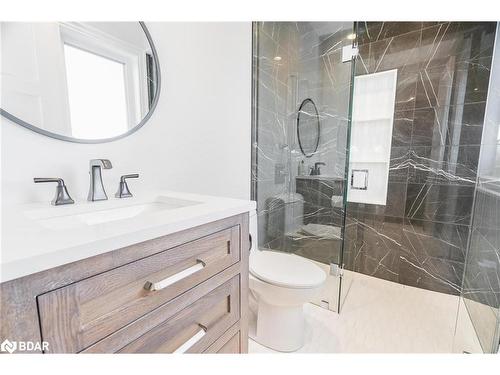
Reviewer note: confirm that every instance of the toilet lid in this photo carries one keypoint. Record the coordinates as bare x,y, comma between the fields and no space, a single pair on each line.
286,270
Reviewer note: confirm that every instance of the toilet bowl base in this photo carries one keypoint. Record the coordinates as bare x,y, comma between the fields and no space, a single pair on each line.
280,327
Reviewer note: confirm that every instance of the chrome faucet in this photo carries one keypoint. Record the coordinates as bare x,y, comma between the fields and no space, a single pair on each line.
96,190
62,196
123,190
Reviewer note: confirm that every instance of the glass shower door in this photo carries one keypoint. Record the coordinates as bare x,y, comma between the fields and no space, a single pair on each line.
301,116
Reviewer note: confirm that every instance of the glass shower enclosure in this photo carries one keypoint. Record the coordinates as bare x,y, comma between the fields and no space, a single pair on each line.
302,87
375,149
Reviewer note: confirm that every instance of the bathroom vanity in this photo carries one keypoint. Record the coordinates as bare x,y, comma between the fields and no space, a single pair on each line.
162,274
155,272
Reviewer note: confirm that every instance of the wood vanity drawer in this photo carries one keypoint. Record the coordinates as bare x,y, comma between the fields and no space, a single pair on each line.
78,315
231,346
228,343
196,327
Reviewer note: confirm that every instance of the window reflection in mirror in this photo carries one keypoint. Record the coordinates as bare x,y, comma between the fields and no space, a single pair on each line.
81,80
109,100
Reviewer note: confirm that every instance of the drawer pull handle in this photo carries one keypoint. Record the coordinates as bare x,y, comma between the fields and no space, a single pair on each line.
175,277
193,340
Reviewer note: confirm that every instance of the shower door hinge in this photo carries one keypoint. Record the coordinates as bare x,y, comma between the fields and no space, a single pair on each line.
336,270
349,52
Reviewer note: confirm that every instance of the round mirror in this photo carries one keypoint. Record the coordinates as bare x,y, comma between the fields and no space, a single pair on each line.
308,128
86,82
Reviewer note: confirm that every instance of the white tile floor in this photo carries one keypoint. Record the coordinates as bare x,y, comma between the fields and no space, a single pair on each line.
381,317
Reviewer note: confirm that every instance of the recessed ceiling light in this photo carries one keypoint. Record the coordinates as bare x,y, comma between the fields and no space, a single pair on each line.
476,89
277,58
351,36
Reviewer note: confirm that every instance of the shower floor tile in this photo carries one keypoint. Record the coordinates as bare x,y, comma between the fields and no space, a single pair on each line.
380,316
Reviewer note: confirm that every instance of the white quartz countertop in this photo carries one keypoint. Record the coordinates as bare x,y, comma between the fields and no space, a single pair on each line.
32,243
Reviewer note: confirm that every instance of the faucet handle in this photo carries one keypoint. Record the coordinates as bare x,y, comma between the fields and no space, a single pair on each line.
62,196
59,181
123,190
125,176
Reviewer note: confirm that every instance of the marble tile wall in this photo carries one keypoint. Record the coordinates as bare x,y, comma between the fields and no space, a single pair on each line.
420,237
295,61
317,193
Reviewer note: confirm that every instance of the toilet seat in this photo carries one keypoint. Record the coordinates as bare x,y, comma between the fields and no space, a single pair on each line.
285,270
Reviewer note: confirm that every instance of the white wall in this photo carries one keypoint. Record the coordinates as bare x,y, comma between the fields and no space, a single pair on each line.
198,139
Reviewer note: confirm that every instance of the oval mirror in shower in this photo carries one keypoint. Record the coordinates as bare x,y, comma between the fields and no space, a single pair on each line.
86,82
308,128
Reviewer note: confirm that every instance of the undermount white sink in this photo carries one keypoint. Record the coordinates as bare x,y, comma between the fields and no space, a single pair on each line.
38,236
94,213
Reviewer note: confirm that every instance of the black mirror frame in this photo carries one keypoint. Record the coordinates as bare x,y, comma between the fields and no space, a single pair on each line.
304,102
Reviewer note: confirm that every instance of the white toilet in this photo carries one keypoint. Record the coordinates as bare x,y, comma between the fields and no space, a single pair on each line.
281,283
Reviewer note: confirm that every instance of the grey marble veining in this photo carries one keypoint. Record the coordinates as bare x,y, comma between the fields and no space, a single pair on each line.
296,61
420,236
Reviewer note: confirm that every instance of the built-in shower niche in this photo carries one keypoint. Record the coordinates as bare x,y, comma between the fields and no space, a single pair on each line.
371,135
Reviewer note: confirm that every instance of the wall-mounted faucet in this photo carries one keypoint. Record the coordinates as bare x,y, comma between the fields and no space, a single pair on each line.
96,189
62,196
316,171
